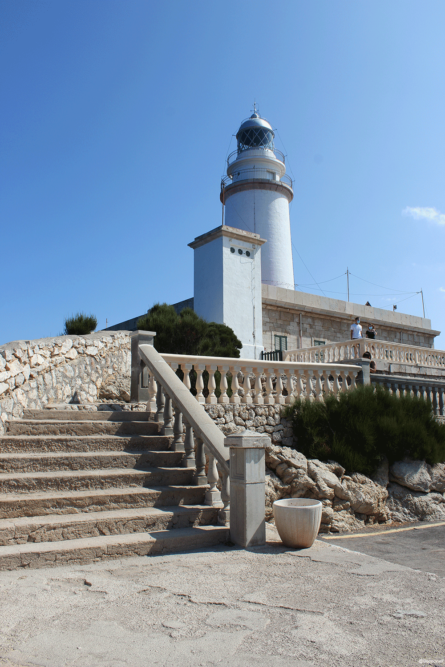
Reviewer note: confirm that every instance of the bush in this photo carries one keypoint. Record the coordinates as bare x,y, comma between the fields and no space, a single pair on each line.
362,427
187,333
80,324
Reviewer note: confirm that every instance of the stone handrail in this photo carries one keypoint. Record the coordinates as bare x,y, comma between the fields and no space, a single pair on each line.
397,353
308,381
171,393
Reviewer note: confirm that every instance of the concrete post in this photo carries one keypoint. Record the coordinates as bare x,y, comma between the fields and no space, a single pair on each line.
139,372
247,488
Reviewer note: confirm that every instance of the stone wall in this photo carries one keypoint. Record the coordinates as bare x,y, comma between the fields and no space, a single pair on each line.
65,369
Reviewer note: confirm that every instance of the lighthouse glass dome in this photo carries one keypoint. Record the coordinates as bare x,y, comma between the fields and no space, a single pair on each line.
255,132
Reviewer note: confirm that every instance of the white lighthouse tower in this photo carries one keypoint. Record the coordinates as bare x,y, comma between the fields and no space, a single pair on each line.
256,194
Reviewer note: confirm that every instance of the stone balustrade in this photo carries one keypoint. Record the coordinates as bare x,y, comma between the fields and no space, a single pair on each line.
430,390
380,350
261,382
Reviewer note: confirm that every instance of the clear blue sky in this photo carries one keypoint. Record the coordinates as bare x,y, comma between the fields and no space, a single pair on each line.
116,119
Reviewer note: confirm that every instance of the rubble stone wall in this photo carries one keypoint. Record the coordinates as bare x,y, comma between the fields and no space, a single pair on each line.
65,369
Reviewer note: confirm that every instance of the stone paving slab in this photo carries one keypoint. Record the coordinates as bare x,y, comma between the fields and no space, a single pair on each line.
262,607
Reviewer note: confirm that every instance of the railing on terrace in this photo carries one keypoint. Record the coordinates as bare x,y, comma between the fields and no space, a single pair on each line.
430,390
351,350
263,382
248,174
278,154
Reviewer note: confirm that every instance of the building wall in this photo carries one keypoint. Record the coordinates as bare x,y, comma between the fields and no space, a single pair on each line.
304,318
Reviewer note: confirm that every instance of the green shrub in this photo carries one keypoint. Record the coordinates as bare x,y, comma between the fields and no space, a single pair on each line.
361,427
80,324
187,333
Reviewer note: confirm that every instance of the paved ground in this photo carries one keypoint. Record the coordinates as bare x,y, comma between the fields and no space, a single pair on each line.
267,607
420,546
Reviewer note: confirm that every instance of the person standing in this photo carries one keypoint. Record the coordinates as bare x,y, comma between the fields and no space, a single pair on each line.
356,329
371,332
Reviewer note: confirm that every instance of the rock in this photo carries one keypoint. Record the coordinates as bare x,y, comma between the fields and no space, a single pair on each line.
412,474
14,367
327,483
275,489
365,496
345,521
3,387
437,473
5,375
407,505
71,354
91,350
36,360
381,475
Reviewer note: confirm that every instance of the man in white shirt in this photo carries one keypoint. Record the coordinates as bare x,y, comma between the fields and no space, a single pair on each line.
356,329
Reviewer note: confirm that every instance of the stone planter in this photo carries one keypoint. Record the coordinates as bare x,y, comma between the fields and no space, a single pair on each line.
297,521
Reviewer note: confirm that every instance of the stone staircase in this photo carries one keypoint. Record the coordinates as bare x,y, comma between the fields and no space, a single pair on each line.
78,487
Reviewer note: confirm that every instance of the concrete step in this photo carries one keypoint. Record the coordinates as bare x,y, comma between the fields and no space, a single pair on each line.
14,505
59,527
83,443
50,554
73,480
82,415
45,462
80,427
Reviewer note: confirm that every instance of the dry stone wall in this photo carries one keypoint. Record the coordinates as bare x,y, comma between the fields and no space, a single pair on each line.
65,369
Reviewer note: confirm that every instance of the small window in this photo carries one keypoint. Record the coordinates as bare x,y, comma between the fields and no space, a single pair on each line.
319,342
247,253
232,249
280,343
240,252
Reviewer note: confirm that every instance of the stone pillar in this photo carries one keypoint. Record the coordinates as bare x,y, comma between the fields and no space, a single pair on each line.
139,372
247,488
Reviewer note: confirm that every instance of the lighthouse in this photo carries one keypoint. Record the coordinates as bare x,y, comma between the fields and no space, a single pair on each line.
256,194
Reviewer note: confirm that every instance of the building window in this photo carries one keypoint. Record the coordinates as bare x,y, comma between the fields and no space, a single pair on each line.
319,342
280,343
319,357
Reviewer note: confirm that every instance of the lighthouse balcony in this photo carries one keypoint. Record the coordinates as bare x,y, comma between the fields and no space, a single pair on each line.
257,151
255,174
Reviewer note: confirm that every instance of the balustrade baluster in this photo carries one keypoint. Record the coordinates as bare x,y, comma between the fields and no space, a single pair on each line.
353,377
200,477
318,385
437,400
160,401
152,389
178,445
167,429
211,398
224,513
213,496
290,390
258,396
246,398
389,387
269,398
279,398
186,378
403,390
189,447
410,390
199,368
235,398
223,385
396,390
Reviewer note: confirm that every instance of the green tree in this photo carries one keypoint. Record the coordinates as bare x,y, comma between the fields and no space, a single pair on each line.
80,324
187,333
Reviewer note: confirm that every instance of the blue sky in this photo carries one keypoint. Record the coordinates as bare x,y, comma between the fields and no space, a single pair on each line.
117,117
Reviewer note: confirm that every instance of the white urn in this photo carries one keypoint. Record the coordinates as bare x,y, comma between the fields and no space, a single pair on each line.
297,521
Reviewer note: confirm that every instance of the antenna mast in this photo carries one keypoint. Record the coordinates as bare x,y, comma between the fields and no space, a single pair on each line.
423,303
347,279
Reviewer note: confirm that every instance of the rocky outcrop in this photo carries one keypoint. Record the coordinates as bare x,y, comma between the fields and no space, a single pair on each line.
352,501
65,369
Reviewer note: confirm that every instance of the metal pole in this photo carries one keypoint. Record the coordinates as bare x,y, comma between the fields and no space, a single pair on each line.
347,278
423,303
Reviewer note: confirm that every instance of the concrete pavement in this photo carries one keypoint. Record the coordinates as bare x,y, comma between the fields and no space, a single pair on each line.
265,607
